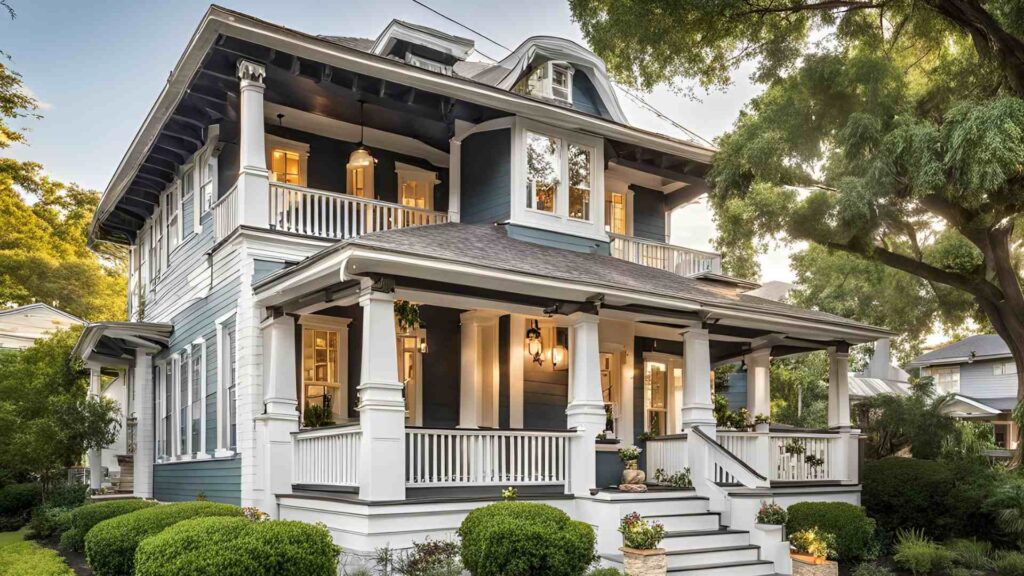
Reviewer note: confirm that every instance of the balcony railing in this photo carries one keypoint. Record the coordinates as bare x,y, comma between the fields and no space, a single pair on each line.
682,261
225,214
339,216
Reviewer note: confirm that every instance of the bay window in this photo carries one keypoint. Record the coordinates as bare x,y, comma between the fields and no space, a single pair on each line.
580,181
543,167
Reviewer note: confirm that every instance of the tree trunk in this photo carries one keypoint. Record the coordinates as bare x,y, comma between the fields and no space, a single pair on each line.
1008,324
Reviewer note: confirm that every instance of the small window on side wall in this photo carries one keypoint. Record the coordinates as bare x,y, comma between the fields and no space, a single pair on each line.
543,166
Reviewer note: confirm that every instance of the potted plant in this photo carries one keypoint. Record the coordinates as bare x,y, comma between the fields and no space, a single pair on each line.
762,422
771,514
640,551
812,549
769,535
632,478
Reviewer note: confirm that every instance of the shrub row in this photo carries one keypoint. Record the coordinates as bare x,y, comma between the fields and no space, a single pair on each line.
853,530
525,539
84,518
16,504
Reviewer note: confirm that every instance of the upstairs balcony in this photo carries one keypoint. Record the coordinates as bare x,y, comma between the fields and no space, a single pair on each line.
682,261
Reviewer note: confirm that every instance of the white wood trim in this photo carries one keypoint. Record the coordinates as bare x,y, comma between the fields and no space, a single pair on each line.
278,143
223,356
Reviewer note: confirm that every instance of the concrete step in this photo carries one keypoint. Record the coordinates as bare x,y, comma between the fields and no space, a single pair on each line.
705,556
699,539
687,522
749,568
653,493
666,506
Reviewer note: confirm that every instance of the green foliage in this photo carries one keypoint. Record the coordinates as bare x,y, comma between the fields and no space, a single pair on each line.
110,545
49,521
919,554
971,553
1009,564
236,546
16,504
917,421
525,539
431,558
771,513
853,530
872,569
908,493
48,421
639,533
605,572
67,494
30,559
1008,506
814,541
85,517
315,416
800,390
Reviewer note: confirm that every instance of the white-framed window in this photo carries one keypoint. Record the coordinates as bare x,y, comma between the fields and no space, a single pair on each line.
167,411
415,186
324,364
197,398
288,160
947,378
616,212
663,391
581,181
183,389
611,393
428,64
549,80
172,205
188,189
156,232
226,371
1004,368
543,171
207,180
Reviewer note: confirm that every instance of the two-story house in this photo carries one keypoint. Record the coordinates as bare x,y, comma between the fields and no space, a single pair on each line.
375,281
981,374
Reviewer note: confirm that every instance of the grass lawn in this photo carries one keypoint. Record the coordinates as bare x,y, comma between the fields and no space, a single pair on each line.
20,557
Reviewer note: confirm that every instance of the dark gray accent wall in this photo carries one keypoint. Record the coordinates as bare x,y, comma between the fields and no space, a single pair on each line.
486,187
442,366
545,395
227,160
609,469
585,97
219,480
328,157
648,213
736,392
558,240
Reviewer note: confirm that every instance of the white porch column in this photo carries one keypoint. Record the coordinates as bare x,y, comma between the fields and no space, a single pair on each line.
758,382
381,406
142,379
470,375
96,454
585,412
838,389
253,193
280,417
516,353
698,410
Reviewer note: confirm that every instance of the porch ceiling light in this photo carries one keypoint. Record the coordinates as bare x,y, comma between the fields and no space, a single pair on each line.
534,345
361,156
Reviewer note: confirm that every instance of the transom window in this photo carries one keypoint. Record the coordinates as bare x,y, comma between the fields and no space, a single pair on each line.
543,168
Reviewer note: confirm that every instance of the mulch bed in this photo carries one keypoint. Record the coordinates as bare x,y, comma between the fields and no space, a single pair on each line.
75,560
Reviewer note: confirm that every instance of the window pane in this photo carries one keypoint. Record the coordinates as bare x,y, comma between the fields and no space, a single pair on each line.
580,164
615,213
284,166
542,169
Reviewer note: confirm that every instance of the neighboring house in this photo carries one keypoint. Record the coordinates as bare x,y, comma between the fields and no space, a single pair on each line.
880,376
982,374
289,193
21,326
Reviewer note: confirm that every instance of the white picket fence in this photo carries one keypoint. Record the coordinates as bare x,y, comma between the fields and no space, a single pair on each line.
327,456
682,261
486,457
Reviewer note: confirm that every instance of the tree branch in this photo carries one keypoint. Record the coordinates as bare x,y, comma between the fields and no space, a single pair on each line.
823,5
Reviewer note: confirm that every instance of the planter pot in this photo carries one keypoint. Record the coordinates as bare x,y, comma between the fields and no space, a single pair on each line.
644,562
806,565
761,428
772,532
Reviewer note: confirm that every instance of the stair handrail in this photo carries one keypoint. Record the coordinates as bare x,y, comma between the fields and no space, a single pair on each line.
729,462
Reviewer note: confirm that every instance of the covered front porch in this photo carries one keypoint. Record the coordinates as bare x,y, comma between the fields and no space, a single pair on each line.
519,379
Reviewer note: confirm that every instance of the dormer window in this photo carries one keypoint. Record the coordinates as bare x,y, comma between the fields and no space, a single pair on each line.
551,80
428,64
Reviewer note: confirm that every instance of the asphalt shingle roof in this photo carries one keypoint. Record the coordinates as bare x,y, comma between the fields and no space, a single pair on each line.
983,345
490,246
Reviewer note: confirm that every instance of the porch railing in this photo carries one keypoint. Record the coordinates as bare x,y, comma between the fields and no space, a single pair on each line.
666,453
225,214
486,457
682,261
743,445
327,456
339,216
806,456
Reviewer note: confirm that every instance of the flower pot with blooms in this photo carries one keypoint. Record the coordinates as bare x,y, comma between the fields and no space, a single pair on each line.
640,551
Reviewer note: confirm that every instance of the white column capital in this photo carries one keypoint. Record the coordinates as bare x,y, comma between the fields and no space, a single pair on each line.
251,72
580,318
696,335
759,355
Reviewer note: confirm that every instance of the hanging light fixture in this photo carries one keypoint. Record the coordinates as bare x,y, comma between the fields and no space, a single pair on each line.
534,346
361,156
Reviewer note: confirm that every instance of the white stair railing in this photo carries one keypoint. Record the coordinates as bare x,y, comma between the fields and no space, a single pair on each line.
327,456
742,445
682,261
486,457
339,216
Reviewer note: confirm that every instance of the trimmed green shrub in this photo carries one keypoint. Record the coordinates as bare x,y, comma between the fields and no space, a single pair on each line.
27,558
230,546
49,521
16,504
67,495
919,554
85,517
971,553
110,545
525,539
1010,564
853,530
908,493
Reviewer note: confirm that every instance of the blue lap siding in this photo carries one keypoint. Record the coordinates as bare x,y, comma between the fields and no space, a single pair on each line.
218,480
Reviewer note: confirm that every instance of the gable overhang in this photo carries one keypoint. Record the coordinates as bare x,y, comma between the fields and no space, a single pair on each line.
115,343
220,22
956,360
969,408
454,47
346,262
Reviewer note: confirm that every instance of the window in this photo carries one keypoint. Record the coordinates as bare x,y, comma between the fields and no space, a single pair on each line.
207,177
610,393
1004,368
655,397
561,82
415,186
167,414
409,369
285,166
580,181
549,80
197,397
947,378
173,207
184,379
615,213
426,64
154,247
543,168
226,384
320,360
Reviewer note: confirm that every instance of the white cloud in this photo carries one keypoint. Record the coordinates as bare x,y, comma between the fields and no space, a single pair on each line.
42,105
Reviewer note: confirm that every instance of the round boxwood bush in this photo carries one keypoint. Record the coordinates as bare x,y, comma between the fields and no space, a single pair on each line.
236,547
110,545
525,539
85,517
853,530
909,493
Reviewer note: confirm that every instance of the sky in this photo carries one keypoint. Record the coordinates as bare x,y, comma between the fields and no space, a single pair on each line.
97,67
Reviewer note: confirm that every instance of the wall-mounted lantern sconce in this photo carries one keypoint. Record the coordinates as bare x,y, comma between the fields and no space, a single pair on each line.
560,351
422,345
534,345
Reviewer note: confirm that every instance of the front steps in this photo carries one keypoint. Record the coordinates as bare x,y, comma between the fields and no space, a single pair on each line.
696,543
126,480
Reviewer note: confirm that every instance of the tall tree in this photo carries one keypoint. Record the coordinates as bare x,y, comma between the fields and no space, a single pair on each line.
889,130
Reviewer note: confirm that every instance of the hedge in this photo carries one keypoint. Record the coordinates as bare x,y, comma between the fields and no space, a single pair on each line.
910,493
84,518
525,539
854,531
237,547
30,559
16,504
49,521
110,545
